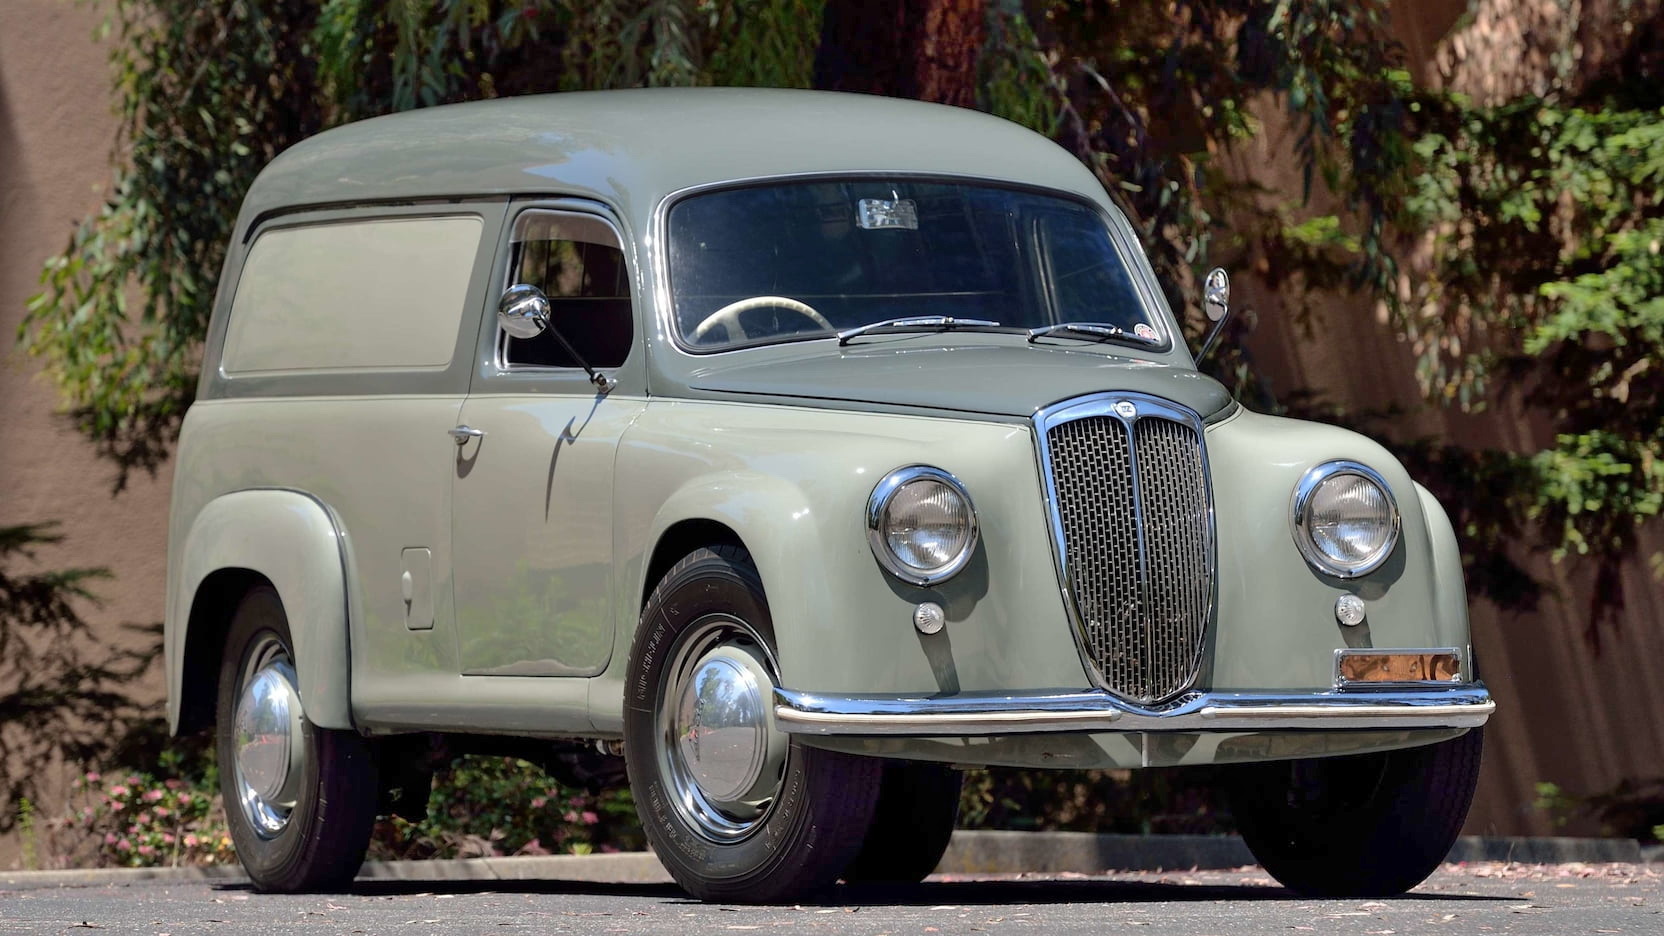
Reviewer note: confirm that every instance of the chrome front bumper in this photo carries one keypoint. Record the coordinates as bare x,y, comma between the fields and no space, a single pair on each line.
1439,706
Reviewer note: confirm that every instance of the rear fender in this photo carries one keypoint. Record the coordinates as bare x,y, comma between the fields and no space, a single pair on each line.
291,540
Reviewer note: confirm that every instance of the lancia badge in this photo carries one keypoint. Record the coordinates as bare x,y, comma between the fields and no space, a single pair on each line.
1125,410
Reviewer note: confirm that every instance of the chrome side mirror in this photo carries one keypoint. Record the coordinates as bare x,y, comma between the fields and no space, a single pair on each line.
1216,295
523,311
1216,302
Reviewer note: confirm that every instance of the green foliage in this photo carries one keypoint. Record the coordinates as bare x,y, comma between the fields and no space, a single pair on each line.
490,806
1632,809
141,820
1540,222
207,95
1133,802
762,43
28,836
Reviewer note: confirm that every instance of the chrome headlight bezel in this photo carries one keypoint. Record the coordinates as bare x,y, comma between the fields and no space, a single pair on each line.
1300,519
884,493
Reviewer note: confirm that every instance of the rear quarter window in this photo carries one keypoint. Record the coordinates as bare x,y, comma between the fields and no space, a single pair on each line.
359,295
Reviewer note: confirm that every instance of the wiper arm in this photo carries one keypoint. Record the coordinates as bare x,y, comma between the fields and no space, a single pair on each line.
1090,332
921,322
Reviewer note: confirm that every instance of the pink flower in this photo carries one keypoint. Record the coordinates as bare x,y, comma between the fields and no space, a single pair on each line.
167,838
142,818
152,796
94,776
539,802
124,845
173,784
118,790
191,841
109,838
162,812
590,818
132,830
146,850
570,816
185,799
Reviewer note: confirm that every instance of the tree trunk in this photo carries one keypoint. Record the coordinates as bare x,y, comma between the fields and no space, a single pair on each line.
924,49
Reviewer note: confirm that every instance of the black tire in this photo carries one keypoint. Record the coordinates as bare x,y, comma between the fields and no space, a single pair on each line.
808,832
1368,825
322,843
918,805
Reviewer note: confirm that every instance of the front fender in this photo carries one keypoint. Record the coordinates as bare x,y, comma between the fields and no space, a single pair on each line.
292,540
1276,627
793,484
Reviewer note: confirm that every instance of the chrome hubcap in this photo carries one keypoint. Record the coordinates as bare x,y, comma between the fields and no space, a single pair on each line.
269,745
719,751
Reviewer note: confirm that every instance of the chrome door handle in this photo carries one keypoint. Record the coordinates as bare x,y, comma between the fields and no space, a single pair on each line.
463,433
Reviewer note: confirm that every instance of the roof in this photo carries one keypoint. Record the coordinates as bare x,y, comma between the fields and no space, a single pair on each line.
632,148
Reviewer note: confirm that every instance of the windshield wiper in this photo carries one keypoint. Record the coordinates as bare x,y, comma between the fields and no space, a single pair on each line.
919,322
1090,332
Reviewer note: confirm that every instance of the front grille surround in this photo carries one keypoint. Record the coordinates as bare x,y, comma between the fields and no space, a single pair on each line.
1119,650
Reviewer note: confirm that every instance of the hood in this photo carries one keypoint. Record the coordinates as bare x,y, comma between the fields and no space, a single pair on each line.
1005,379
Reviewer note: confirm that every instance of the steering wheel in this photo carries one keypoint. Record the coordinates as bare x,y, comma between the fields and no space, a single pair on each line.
729,315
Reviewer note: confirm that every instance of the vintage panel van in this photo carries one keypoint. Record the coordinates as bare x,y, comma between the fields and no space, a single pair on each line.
799,448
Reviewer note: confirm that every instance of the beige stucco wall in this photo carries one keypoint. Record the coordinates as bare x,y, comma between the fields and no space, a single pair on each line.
56,134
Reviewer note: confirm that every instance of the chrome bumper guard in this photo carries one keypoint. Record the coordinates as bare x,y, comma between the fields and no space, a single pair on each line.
1439,706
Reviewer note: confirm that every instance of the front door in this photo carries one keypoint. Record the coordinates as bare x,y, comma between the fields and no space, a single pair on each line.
532,501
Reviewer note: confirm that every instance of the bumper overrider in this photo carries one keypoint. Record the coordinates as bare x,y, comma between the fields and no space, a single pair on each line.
1466,705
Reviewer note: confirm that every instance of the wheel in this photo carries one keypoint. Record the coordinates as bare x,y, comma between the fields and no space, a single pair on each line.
917,807
300,800
1367,825
735,810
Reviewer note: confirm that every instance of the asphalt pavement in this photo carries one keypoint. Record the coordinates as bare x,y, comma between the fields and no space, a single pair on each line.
1482,898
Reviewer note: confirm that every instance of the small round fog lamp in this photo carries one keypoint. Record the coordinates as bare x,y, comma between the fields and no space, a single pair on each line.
929,618
1349,610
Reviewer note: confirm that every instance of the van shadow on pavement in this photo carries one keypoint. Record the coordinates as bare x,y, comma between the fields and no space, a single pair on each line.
929,893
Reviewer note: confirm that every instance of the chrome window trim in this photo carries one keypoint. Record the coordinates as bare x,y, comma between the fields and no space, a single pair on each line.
885,491
1103,404
1126,245
1465,705
501,366
1297,519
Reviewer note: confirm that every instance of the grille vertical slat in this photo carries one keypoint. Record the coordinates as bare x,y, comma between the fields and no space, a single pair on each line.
1133,510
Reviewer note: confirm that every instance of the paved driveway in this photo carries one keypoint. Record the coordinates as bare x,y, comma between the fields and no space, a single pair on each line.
1501,899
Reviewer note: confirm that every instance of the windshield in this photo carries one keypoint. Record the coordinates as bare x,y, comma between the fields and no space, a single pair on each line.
799,260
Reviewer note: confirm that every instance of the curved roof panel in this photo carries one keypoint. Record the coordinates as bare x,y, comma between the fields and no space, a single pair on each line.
632,148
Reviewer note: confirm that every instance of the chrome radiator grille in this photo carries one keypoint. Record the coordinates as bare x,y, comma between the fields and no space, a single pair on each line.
1130,500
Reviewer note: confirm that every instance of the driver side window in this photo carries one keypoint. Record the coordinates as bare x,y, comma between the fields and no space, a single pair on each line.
577,262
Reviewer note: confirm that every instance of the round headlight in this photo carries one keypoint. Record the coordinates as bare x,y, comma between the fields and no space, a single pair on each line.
921,525
1345,520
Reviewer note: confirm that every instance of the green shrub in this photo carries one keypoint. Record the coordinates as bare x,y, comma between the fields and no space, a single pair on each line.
1137,802
136,820
484,807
